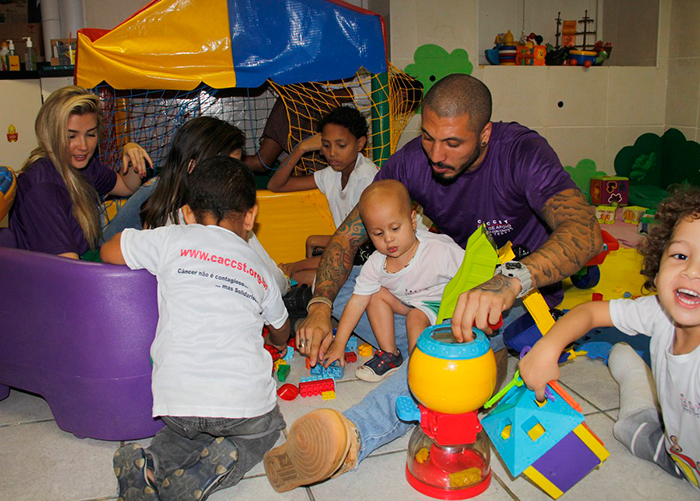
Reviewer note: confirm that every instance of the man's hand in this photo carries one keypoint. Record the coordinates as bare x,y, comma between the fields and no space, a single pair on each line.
315,333
483,305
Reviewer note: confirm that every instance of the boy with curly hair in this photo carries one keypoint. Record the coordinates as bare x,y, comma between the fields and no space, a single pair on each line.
672,320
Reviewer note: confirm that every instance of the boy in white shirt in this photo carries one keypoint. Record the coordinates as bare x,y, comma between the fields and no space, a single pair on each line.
211,380
659,418
406,275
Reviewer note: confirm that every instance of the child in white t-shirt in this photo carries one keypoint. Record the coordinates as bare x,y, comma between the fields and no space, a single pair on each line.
211,381
406,275
342,138
672,320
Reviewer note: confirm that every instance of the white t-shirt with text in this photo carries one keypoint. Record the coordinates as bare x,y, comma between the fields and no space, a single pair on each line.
421,283
214,296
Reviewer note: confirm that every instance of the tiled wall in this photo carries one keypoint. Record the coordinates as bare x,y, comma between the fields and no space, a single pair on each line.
683,90
602,109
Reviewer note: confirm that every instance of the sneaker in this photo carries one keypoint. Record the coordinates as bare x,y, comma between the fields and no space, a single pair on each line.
321,444
382,365
198,481
130,466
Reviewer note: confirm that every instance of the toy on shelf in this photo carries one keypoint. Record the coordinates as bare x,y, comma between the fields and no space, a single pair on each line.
548,442
448,454
610,190
605,214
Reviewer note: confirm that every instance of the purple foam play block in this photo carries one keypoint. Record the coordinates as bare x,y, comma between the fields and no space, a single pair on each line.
567,462
79,334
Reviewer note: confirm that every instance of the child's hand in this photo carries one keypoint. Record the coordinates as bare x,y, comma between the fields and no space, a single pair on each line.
282,349
335,352
539,367
312,143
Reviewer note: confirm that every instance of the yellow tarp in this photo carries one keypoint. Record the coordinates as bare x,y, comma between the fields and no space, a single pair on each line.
176,55
285,220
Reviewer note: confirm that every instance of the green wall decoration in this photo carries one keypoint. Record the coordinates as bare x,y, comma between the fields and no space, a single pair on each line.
654,162
432,63
582,174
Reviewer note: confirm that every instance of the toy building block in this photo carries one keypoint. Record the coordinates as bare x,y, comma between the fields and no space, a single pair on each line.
350,357
283,372
290,354
308,363
352,344
480,260
328,395
276,364
547,442
272,351
334,371
312,386
365,350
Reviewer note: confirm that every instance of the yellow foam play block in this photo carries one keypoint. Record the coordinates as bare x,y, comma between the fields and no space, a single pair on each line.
285,220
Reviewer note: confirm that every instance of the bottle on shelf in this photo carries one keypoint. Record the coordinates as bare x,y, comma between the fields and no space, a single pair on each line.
29,55
4,51
12,58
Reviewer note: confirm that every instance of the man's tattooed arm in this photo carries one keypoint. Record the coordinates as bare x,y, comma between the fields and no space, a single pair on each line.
338,257
575,239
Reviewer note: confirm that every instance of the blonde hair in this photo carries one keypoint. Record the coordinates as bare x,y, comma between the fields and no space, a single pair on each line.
52,134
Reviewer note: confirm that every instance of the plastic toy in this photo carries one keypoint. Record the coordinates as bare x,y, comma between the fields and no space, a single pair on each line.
480,260
350,357
633,214
283,372
589,275
365,350
288,392
328,395
290,354
8,190
65,336
605,214
334,371
548,442
315,385
585,58
448,455
352,344
610,190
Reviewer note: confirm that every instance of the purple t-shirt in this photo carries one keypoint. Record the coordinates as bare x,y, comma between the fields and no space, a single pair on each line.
520,172
42,216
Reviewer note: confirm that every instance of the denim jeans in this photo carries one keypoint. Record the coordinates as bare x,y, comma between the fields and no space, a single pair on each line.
375,416
128,215
180,443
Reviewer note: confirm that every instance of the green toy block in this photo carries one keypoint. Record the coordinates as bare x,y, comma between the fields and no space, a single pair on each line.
283,372
480,260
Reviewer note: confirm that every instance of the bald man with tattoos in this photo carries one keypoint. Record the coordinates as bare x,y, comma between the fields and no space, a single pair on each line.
465,171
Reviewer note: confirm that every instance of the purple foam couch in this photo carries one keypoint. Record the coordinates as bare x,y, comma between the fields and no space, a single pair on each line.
79,334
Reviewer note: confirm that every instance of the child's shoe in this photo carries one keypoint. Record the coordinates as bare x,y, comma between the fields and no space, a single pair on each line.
130,467
382,365
321,444
198,481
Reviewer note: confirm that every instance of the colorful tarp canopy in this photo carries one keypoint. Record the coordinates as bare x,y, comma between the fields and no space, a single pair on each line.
178,44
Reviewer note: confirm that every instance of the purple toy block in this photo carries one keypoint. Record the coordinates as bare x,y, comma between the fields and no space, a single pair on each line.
567,462
79,334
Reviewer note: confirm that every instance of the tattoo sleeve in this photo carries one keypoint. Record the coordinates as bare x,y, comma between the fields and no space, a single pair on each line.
575,239
336,261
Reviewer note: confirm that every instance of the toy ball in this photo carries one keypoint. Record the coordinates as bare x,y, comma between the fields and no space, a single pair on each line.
451,377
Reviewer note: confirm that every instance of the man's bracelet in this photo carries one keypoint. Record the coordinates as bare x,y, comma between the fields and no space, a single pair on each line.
319,299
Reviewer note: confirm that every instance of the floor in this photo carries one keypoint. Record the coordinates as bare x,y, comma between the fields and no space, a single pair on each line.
39,462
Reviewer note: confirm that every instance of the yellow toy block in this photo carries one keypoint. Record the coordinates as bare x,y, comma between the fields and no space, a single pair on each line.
328,395
365,350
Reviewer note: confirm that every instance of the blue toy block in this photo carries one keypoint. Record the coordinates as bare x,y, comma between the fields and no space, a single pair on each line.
612,336
522,431
407,410
290,354
352,344
333,371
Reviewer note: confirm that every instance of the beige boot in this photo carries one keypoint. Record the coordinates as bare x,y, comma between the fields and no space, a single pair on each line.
321,444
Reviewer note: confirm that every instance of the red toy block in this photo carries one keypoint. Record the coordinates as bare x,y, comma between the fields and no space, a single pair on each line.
350,357
597,296
272,351
316,387
308,363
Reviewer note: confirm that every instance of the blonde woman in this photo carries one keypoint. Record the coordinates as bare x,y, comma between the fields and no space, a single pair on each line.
60,185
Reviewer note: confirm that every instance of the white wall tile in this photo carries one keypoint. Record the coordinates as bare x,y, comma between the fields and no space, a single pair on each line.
682,91
636,95
518,93
582,92
685,29
573,144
